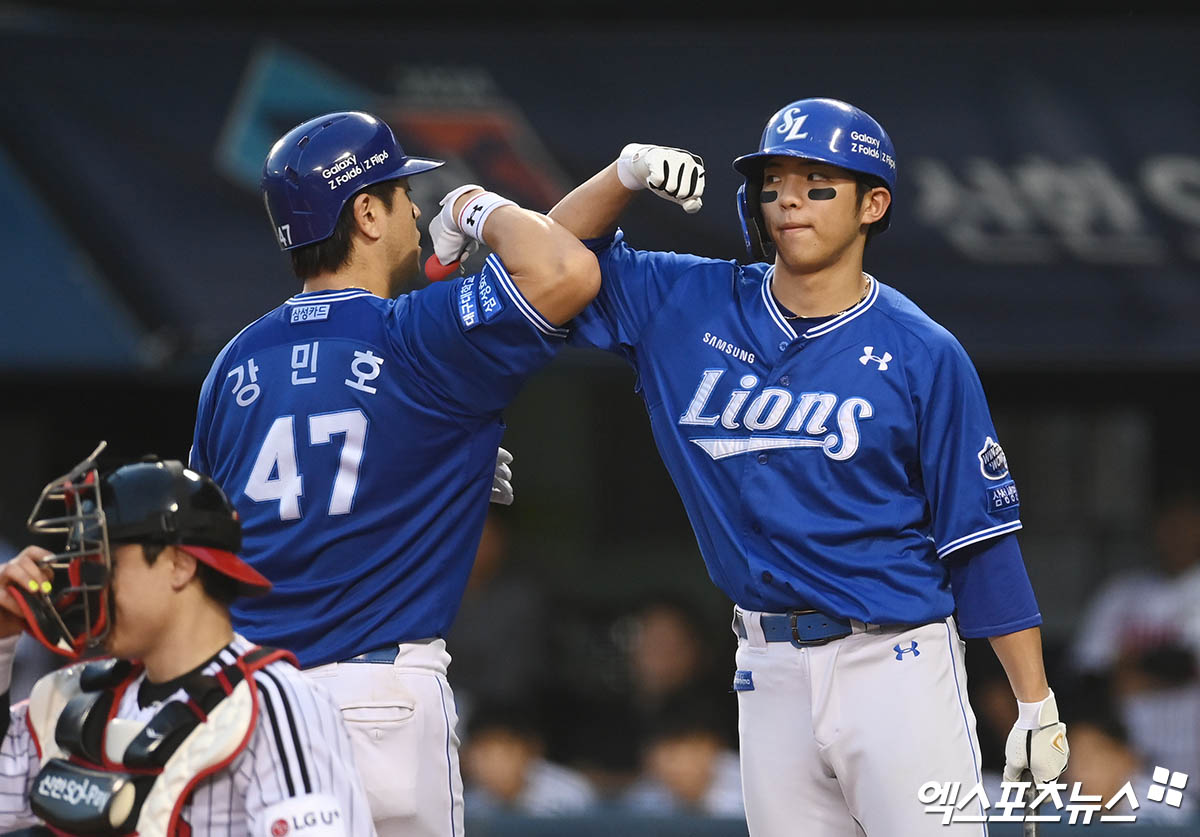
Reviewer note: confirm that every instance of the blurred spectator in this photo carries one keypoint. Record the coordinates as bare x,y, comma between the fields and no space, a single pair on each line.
505,770
670,661
1142,633
498,643
664,654
687,765
1103,759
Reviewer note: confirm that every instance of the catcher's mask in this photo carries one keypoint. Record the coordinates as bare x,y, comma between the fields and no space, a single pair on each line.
148,502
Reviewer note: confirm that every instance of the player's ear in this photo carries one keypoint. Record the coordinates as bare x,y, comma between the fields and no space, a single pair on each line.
183,567
366,208
874,205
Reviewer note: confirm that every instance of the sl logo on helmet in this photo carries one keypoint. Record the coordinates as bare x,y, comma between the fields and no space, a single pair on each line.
992,461
792,125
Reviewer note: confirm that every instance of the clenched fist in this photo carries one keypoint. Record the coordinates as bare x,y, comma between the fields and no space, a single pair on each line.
671,173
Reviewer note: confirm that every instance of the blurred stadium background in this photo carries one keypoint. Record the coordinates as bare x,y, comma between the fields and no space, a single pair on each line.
1047,212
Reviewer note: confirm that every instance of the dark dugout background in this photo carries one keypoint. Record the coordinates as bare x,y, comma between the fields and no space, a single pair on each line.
1047,212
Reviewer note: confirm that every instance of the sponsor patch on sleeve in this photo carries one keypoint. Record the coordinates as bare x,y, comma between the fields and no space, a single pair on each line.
490,303
311,815
468,311
743,681
309,313
1001,497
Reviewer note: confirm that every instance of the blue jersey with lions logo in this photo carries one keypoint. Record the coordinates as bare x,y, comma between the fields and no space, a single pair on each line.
834,467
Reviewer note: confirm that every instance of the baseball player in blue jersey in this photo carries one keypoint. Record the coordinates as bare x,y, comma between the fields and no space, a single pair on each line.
356,431
836,457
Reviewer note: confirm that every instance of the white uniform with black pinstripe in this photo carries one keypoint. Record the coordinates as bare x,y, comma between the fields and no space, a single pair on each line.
297,770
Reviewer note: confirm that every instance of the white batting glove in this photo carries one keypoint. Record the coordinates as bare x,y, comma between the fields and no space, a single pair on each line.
1037,743
671,173
502,490
450,244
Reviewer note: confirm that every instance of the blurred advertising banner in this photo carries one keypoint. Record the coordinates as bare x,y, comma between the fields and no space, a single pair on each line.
1047,208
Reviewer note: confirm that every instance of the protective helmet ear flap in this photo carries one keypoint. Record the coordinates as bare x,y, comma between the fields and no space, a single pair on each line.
758,244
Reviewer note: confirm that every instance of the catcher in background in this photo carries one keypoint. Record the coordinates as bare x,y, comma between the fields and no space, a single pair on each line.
187,728
834,451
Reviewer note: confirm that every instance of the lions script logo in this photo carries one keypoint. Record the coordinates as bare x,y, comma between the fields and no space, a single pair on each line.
802,421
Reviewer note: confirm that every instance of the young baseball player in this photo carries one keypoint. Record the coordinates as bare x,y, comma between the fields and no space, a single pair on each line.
356,432
187,728
834,451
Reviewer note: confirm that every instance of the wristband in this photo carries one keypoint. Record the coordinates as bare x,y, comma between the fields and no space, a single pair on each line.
1029,715
475,213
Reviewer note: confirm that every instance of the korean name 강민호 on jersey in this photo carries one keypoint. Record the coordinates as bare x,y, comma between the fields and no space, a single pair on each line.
775,418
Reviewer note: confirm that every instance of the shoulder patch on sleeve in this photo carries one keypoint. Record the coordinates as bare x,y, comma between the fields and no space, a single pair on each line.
1001,497
490,303
468,311
311,815
992,462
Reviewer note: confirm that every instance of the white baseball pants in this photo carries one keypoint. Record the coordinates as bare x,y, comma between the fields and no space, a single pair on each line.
401,718
836,739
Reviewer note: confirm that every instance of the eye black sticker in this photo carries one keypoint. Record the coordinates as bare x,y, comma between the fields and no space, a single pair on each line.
824,194
767,197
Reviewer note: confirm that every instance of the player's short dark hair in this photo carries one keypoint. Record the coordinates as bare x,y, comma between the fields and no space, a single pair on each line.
221,588
865,183
330,254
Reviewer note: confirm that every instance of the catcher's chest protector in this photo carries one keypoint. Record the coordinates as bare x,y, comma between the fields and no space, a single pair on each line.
106,775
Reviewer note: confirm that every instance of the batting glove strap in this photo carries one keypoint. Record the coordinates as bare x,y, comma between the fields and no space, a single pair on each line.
1037,715
449,243
631,166
671,173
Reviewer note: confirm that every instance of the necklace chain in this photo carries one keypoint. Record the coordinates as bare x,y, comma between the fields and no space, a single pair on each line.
866,290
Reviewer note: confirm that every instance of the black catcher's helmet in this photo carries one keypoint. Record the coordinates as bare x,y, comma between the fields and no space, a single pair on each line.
153,501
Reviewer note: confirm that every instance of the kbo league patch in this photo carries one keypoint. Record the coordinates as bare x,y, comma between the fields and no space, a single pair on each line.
991,460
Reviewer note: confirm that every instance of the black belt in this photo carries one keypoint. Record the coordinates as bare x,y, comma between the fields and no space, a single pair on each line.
799,627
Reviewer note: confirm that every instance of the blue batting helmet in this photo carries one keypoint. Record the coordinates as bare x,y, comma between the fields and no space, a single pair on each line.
315,168
825,130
